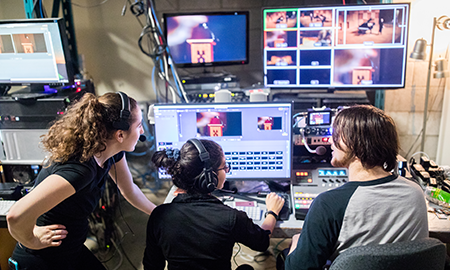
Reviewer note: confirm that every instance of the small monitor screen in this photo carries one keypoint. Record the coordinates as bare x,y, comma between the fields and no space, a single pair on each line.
255,137
32,51
207,39
336,47
319,118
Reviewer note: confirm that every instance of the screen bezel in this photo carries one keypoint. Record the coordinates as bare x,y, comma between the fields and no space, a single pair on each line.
214,63
69,64
346,87
272,104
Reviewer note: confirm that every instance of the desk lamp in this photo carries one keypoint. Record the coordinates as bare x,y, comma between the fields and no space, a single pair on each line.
442,23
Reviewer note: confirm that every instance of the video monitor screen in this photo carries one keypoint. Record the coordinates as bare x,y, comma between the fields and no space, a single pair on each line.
256,137
34,51
336,47
319,118
208,38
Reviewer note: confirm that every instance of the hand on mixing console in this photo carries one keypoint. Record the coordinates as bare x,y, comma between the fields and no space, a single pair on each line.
274,203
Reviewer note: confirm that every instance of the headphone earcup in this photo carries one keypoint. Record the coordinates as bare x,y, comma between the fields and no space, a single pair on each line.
211,180
121,125
206,181
124,115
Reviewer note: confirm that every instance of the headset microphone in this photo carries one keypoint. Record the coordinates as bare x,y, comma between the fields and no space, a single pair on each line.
321,150
142,138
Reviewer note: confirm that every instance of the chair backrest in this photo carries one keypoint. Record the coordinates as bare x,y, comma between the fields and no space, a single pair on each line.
428,253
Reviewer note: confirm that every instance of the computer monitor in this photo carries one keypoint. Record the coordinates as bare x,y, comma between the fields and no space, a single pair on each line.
204,39
336,47
34,52
256,137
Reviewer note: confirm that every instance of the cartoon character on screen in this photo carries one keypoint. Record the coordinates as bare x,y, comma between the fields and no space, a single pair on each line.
202,44
215,127
268,123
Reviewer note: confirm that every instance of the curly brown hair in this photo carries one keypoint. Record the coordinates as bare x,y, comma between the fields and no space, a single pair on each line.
84,128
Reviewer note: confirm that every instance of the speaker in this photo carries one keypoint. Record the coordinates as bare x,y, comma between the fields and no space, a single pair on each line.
122,123
206,181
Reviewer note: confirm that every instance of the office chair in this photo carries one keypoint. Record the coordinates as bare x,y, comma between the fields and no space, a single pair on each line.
428,253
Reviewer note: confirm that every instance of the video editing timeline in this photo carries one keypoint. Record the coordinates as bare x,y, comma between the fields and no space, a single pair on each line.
255,137
309,183
336,46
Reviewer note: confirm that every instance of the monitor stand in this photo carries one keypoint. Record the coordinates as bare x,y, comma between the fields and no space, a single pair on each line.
209,77
209,74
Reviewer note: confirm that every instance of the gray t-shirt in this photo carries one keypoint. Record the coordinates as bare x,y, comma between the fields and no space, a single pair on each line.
386,210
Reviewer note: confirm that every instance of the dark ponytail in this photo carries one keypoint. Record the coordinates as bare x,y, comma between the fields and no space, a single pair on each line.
188,165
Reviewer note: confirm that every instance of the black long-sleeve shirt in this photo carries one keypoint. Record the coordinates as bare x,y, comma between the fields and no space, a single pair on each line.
198,232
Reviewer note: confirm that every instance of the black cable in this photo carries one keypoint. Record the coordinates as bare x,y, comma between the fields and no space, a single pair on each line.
428,117
158,50
279,243
126,256
234,257
265,255
137,8
157,47
118,195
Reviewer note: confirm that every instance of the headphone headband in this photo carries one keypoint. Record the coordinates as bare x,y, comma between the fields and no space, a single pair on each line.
202,153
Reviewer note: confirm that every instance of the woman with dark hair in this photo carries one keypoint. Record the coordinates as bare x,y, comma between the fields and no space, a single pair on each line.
197,231
51,222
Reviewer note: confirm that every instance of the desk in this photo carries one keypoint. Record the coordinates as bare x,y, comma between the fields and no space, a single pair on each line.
6,247
7,243
438,228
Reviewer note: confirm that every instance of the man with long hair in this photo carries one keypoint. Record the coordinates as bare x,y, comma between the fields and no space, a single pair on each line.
376,206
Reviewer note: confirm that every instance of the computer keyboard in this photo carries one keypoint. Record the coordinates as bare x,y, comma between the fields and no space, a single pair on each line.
5,205
251,208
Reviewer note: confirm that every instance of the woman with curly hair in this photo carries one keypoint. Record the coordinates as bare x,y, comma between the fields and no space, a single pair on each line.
51,222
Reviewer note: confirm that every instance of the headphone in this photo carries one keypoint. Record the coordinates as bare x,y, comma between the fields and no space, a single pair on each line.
206,181
122,123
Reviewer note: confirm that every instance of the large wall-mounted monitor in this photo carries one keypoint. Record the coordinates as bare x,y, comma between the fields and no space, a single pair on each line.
208,38
256,137
34,52
336,47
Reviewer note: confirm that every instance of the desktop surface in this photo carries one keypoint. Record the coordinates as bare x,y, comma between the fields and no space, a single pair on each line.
439,228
